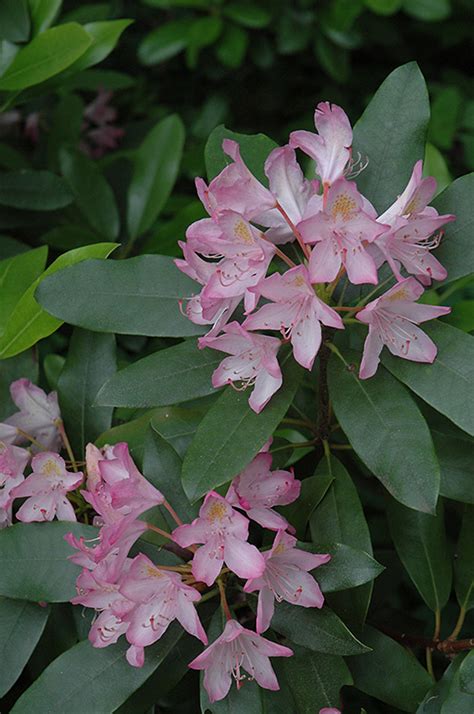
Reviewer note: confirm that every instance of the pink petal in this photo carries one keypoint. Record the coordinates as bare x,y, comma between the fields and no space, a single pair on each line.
244,559
287,182
265,388
268,518
265,609
207,561
135,656
409,342
188,617
324,262
360,267
306,338
65,511
371,356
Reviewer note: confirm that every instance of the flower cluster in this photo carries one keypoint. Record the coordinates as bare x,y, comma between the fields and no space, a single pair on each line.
337,234
139,599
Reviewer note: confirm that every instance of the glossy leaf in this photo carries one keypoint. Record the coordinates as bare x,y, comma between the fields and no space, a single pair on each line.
166,41
33,559
48,54
391,133
326,673
14,20
447,695
16,275
466,674
24,365
162,467
43,13
92,193
105,35
448,383
428,10
348,567
456,251
408,681
34,190
387,431
89,679
28,322
248,14
463,563
254,149
313,490
454,450
21,626
420,541
317,630
176,374
231,434
90,362
154,174
138,296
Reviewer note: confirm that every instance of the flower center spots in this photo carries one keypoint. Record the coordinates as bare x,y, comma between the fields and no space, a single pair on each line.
216,512
413,205
401,294
50,468
242,233
279,549
344,206
153,572
299,281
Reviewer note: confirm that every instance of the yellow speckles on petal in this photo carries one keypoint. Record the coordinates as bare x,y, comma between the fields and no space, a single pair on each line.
281,548
153,572
50,468
243,233
400,294
413,205
299,281
216,512
343,207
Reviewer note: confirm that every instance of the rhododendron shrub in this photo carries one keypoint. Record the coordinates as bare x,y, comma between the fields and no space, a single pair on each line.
268,506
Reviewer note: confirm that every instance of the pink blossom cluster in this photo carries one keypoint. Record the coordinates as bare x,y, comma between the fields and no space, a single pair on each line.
38,423
139,599
336,233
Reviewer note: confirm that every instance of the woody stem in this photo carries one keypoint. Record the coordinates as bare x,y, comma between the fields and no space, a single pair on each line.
172,513
34,441
161,532
224,603
280,253
295,231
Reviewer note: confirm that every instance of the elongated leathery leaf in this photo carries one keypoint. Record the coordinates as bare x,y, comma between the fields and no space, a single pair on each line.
391,134
231,434
420,541
388,432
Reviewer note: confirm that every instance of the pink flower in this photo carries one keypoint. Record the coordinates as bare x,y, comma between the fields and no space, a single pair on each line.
8,433
329,710
235,188
392,320
235,651
296,311
253,362
46,489
38,416
107,629
257,489
340,232
414,200
13,461
331,147
160,597
121,489
112,545
99,588
224,532
292,191
286,577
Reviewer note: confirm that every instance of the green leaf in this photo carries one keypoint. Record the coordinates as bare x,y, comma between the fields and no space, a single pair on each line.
28,322
90,362
21,626
24,365
339,518
14,20
370,672
388,432
105,36
420,541
248,14
435,165
43,13
466,674
162,467
33,190
92,193
325,674
318,630
446,696
231,434
232,46
448,383
34,561
165,42
333,59
138,296
85,679
48,54
348,567
384,7
456,251
462,316
53,365
463,568
176,374
202,33
445,115
428,10
313,490
254,148
454,450
155,170
16,275
391,134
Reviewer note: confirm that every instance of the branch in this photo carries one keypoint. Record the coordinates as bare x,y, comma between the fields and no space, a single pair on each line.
323,428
